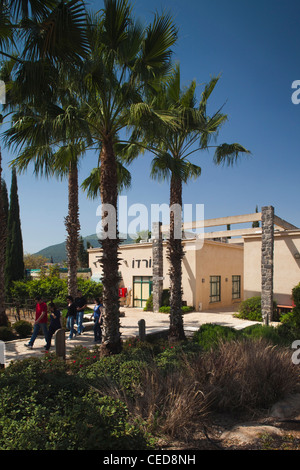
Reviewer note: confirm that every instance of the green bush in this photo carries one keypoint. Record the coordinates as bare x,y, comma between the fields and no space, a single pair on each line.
53,288
6,333
165,301
184,309
177,356
209,335
291,320
23,328
270,333
44,407
149,304
250,309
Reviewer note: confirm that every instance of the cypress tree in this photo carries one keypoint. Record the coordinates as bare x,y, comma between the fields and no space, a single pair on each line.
3,208
14,267
83,256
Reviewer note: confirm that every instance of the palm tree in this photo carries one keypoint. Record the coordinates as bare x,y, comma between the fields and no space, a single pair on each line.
172,148
125,59
51,138
36,35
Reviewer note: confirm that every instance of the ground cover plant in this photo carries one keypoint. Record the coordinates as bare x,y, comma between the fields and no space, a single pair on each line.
149,393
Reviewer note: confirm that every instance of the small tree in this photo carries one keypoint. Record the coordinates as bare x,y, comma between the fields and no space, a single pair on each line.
83,257
3,316
14,266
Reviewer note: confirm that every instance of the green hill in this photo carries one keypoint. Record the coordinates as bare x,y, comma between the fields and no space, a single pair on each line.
58,252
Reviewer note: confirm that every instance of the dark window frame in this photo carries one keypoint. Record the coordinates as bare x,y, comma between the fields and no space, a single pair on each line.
236,286
215,289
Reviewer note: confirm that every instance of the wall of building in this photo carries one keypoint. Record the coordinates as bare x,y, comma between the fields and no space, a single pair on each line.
218,259
286,267
213,258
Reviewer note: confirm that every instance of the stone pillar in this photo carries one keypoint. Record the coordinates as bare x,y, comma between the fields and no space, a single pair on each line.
157,265
2,354
267,255
60,343
142,329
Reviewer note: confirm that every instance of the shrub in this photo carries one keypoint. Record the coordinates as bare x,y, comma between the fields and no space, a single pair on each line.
291,320
52,287
6,333
44,409
250,309
165,301
149,304
81,357
23,328
274,335
184,309
210,335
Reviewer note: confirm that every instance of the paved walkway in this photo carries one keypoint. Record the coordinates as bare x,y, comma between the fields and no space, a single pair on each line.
15,350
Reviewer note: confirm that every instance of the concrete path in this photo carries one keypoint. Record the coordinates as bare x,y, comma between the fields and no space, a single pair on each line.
15,350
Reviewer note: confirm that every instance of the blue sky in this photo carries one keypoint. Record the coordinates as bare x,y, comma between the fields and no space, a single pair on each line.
254,45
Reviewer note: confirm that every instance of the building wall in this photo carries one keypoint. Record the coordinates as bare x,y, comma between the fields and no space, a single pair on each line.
214,258
218,259
286,267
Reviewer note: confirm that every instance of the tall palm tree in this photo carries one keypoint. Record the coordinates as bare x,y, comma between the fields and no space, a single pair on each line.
51,138
172,148
125,59
36,35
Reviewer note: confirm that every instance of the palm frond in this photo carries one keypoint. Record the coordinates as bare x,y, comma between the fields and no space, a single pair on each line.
161,35
229,153
60,35
91,185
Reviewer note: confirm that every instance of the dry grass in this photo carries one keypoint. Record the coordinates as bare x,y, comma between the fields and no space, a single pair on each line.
238,376
247,375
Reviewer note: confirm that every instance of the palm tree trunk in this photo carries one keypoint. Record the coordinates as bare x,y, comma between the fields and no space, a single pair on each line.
110,243
3,316
175,255
73,228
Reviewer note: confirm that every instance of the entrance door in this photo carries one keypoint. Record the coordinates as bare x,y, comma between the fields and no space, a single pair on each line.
142,289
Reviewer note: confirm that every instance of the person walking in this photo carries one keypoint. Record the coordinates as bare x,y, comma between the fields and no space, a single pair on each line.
55,323
98,320
41,319
81,304
71,316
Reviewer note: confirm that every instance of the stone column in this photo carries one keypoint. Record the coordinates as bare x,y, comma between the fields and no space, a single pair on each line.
157,265
267,255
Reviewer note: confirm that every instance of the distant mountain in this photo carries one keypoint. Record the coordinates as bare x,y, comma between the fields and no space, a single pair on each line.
58,252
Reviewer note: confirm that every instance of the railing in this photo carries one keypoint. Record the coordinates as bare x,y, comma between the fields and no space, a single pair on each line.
20,311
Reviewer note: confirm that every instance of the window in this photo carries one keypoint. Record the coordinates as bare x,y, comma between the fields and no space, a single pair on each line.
215,288
236,287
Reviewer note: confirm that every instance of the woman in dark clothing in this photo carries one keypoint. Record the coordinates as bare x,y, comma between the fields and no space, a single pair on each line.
55,324
98,320
71,316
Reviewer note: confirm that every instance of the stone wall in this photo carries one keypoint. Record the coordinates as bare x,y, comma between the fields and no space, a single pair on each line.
157,265
267,255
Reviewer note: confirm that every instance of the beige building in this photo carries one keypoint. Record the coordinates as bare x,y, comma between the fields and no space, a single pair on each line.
286,265
220,268
212,272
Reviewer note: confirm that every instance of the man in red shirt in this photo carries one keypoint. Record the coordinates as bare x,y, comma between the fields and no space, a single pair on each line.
41,319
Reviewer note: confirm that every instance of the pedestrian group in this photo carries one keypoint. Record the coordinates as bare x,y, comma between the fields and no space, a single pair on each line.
75,314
